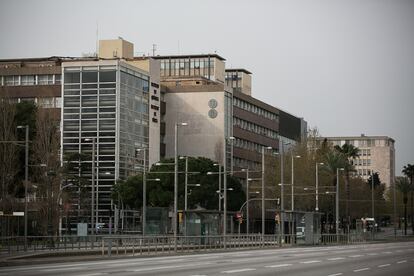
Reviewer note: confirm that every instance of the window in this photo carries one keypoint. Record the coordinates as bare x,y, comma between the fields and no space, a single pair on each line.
107,76
72,77
45,79
88,77
12,80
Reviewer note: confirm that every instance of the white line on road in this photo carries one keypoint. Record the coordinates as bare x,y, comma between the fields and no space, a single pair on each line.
384,265
310,262
238,270
93,274
355,256
387,252
372,254
57,269
401,262
278,265
336,274
335,259
361,269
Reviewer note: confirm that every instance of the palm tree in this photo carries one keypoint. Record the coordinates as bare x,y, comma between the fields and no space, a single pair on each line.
349,152
409,172
404,187
333,160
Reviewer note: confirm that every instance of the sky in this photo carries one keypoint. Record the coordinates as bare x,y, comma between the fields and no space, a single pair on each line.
347,67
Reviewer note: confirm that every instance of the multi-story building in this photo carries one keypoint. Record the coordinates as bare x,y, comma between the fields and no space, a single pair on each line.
33,79
107,100
376,155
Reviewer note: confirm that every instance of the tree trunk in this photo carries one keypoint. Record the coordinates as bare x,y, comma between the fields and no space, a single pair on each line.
405,215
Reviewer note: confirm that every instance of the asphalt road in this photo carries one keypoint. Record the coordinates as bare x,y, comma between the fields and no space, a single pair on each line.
395,259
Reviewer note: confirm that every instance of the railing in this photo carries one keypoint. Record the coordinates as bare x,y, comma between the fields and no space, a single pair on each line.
150,245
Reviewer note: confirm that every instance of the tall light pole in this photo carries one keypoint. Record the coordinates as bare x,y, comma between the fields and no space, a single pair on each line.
144,191
337,204
263,191
26,180
93,224
282,206
176,181
372,195
247,201
317,186
219,182
293,181
225,189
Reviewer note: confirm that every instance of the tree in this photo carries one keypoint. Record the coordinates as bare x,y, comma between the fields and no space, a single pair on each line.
349,152
404,187
408,171
161,193
377,180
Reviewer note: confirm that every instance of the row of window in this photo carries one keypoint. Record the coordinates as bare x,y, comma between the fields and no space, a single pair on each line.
363,172
364,142
254,109
243,163
244,144
361,162
249,126
187,67
44,102
365,152
17,80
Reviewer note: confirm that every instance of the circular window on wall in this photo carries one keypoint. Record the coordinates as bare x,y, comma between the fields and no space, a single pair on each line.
212,113
212,103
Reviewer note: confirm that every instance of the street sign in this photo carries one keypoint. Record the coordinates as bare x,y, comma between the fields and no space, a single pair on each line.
18,214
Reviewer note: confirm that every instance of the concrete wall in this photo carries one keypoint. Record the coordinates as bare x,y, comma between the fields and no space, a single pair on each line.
204,135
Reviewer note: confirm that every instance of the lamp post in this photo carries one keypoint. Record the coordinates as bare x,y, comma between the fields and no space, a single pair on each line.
176,181
282,201
225,189
219,182
144,191
263,192
317,187
337,204
93,224
247,200
26,180
293,177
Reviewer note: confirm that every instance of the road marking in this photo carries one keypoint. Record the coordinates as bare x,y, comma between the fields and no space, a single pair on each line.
335,259
93,274
401,262
238,270
387,252
384,265
336,274
355,256
372,254
279,265
310,262
361,269
57,269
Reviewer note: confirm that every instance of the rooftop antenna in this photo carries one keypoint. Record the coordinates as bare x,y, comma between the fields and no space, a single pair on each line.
97,39
154,48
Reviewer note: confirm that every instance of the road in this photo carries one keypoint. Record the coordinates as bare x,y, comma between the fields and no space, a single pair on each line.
368,259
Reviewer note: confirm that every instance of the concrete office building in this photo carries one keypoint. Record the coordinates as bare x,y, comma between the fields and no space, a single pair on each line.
217,103
376,154
108,100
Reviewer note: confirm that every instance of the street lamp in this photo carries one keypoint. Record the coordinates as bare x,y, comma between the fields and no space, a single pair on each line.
225,188
93,224
282,201
293,182
337,203
26,180
176,181
317,186
219,175
144,191
263,191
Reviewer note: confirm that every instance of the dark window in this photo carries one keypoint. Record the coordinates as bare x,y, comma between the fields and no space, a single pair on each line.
155,120
155,85
155,107
72,77
107,76
89,77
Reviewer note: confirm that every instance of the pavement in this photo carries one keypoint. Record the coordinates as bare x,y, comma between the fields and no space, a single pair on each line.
365,259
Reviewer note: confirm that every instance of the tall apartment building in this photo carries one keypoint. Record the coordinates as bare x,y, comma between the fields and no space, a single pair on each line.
376,154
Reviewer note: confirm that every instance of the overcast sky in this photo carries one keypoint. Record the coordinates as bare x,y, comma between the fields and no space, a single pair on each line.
347,66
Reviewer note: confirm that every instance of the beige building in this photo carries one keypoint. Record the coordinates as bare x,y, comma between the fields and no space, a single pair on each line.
376,154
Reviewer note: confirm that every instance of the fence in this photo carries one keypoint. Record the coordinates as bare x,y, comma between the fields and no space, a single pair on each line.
151,245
